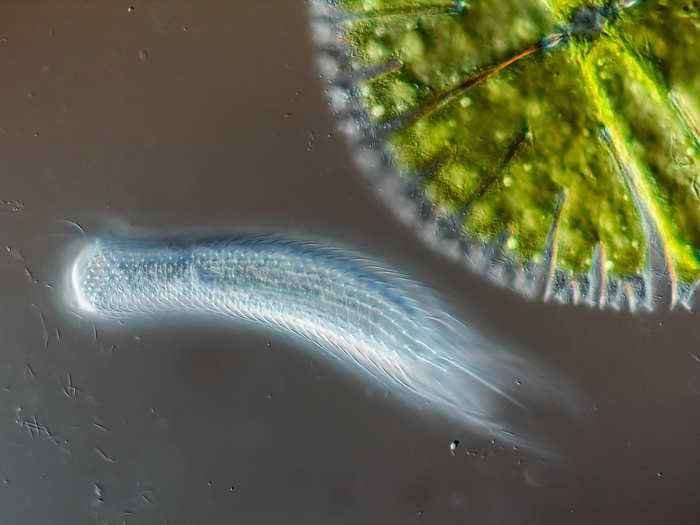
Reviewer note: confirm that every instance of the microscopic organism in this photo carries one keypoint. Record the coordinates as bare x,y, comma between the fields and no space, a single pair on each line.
555,142
369,319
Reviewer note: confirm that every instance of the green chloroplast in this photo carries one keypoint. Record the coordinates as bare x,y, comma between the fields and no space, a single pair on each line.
555,142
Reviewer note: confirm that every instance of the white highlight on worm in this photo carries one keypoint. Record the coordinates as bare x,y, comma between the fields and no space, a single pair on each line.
371,319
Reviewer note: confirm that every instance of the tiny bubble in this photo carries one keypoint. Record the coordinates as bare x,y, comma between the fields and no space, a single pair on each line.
659,475
131,9
419,514
231,488
210,484
268,344
143,55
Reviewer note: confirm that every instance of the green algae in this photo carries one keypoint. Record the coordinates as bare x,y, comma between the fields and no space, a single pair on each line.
530,124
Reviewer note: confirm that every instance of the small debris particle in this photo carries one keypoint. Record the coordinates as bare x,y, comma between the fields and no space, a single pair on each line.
104,456
70,390
14,253
38,430
12,205
453,447
44,328
99,426
99,493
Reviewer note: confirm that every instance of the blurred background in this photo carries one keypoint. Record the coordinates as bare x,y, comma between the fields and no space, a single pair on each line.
177,117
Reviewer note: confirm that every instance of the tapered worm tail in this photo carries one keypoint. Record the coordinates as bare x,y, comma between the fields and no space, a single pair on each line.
374,321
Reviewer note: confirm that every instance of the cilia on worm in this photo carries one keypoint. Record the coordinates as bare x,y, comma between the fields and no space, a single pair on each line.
370,319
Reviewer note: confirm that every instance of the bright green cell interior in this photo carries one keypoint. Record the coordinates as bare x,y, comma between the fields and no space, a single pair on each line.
530,120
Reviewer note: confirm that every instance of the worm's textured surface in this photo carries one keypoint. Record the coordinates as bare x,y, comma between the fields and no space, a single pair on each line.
369,318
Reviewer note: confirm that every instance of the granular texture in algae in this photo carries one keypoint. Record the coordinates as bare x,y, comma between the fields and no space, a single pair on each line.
556,143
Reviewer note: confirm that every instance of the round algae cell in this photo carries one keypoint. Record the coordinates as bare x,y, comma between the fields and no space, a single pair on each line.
554,143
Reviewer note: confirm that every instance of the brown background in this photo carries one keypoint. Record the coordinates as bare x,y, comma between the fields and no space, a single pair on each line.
183,116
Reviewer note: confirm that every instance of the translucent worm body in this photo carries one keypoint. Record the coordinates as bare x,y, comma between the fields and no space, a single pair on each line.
369,318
